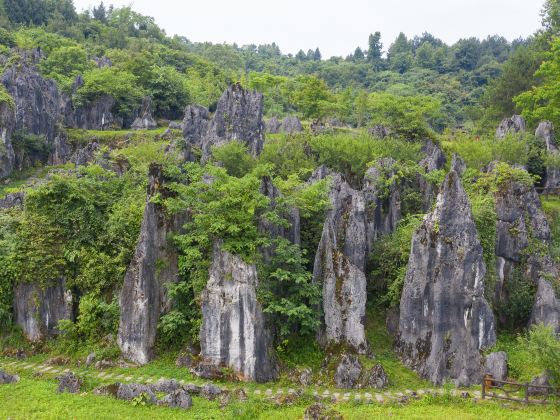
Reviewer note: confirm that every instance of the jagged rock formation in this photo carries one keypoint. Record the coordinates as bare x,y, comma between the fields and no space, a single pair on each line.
458,165
521,224
12,200
238,117
233,331
339,267
60,150
515,124
145,121
273,126
545,132
433,161
348,372
7,125
144,296
445,320
38,309
36,98
291,125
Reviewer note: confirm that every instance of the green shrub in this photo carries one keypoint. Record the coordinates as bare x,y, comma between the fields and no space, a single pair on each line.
544,346
235,158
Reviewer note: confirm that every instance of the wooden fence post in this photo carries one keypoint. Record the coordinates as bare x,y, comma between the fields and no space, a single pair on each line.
484,387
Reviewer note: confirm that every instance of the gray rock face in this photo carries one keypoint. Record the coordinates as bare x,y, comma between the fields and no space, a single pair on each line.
38,310
515,124
7,125
445,320
36,99
6,378
273,126
435,158
379,131
521,222
145,121
348,372
96,115
238,117
291,125
69,383
60,151
339,267
496,365
144,295
458,165
545,131
233,331
195,124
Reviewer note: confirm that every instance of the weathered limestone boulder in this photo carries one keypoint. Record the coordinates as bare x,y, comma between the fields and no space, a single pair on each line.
144,296
348,372
458,164
238,117
376,377
38,310
130,391
291,125
496,365
379,131
6,378
445,321
60,150
522,225
68,382
102,62
178,399
12,200
515,124
7,125
85,154
36,98
545,132
339,267
273,126
233,331
145,121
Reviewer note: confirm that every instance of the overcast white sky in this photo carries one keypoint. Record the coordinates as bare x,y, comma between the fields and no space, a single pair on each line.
337,27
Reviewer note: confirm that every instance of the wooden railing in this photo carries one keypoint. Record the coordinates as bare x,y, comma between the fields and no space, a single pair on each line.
524,393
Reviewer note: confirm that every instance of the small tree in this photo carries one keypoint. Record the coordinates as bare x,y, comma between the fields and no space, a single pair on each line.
544,344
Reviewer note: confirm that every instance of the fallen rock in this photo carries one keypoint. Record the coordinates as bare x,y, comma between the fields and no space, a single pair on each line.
376,377
515,124
58,361
233,331
178,398
6,378
12,200
207,370
379,131
210,391
348,372
90,359
144,298
496,365
538,385
166,385
319,411
130,391
445,321
69,383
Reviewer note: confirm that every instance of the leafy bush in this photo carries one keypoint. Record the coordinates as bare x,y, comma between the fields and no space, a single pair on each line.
120,85
6,98
64,64
544,345
235,158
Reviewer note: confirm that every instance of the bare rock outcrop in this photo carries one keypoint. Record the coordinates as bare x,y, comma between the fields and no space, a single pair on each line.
379,131
515,124
434,160
145,121
143,298
234,332
445,321
522,245
238,117
195,124
273,126
340,265
496,365
545,132
38,309
7,126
